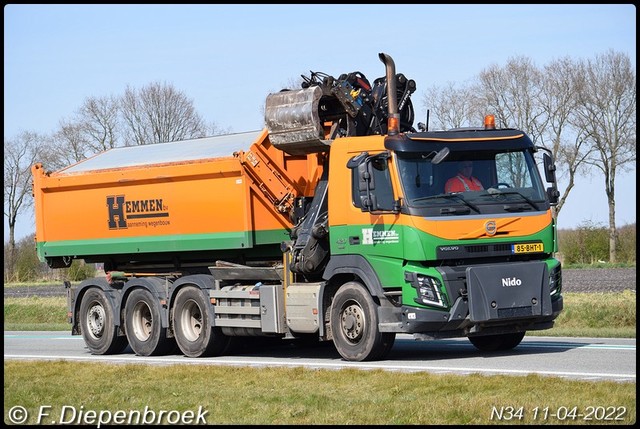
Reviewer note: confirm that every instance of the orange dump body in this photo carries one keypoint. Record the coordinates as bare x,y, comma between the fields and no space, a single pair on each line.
189,202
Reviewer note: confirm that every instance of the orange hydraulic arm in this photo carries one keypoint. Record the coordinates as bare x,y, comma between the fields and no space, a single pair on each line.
264,164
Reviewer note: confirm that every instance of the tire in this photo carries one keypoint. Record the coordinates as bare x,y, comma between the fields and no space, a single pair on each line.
494,343
97,323
354,325
192,328
143,325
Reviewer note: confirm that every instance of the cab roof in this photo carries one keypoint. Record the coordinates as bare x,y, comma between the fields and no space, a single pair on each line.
462,139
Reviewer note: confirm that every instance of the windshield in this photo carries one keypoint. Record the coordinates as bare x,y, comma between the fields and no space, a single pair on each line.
482,182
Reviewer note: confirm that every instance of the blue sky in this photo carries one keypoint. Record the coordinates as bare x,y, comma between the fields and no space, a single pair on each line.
227,58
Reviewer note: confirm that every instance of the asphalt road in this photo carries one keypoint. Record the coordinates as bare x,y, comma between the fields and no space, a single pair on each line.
573,280
593,359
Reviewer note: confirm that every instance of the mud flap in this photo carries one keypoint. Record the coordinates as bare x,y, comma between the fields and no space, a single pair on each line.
509,291
292,120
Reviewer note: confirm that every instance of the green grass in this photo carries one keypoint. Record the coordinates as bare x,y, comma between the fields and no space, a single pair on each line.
600,315
36,313
299,396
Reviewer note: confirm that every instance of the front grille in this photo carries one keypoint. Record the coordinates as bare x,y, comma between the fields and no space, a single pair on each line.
503,247
475,251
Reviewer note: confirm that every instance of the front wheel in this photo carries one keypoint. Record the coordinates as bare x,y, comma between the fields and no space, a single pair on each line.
354,325
494,343
143,325
97,324
194,334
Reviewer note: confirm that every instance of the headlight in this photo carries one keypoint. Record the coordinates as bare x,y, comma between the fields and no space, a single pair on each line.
428,289
555,280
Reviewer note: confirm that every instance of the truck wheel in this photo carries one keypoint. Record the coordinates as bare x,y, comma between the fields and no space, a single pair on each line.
97,324
494,343
143,325
354,325
192,328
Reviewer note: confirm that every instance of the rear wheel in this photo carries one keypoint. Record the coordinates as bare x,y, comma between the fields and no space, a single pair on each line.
143,325
192,328
97,322
354,325
494,343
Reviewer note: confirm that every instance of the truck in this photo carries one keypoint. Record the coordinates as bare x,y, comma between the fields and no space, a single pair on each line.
329,225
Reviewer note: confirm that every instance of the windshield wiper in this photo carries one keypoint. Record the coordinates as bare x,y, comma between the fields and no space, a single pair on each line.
448,210
530,202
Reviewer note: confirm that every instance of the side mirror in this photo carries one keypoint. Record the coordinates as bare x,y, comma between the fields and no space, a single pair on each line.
549,168
366,181
550,175
553,194
375,193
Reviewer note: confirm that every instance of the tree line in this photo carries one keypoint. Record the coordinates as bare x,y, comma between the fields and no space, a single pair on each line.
583,110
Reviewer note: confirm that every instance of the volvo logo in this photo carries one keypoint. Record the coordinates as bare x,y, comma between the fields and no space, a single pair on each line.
490,227
448,248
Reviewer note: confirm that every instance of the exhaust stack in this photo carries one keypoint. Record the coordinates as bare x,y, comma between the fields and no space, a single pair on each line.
393,120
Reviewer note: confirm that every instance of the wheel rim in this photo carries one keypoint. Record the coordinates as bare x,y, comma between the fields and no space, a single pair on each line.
352,321
142,321
95,320
191,321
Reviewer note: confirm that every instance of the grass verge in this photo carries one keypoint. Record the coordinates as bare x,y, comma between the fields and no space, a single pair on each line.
73,393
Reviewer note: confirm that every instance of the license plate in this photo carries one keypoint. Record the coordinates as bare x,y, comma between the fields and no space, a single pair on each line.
528,248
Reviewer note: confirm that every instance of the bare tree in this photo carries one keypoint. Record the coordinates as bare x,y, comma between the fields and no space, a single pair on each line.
19,155
512,93
606,111
159,113
98,119
94,128
558,100
69,146
453,106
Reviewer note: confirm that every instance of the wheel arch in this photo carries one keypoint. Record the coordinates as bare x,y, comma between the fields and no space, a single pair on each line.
342,268
204,282
159,288
113,295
